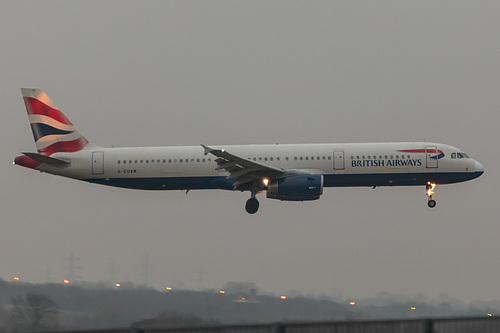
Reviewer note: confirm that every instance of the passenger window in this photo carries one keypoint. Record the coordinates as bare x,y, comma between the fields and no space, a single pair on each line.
295,158
118,161
130,162
329,157
301,158
147,161
307,158
286,158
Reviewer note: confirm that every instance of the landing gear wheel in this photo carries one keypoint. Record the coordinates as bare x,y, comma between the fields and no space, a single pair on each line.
431,203
252,206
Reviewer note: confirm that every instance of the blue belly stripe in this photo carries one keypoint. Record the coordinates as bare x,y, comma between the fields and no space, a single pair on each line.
330,180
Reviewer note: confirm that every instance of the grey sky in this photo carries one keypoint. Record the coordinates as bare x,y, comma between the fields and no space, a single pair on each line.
231,72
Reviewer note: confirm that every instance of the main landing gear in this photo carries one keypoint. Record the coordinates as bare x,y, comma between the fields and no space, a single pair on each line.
430,191
252,205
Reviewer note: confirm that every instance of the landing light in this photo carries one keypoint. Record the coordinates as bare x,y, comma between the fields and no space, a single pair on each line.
265,181
430,188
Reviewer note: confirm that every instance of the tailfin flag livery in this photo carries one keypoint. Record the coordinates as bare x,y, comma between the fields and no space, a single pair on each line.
286,172
52,131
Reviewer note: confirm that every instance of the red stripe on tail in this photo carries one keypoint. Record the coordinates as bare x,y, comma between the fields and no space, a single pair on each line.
34,106
64,146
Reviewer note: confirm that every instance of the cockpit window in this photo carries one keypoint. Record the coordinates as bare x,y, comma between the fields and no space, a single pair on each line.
459,155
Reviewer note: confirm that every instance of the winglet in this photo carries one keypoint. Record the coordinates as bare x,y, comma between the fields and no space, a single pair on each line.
208,150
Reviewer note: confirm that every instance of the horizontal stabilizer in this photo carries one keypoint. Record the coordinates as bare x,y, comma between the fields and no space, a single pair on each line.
47,159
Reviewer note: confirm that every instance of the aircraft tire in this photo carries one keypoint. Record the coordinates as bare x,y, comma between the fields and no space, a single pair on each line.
252,206
431,203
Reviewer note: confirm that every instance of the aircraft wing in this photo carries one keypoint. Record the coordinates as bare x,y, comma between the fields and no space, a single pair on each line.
240,169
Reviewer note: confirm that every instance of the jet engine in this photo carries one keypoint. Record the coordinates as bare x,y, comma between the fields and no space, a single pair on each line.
296,188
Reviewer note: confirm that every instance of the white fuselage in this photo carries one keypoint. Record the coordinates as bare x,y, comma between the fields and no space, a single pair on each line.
349,164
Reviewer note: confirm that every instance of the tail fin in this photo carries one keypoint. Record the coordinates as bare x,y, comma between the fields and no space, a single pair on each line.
52,131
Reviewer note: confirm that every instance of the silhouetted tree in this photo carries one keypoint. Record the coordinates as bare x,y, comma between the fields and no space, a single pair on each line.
34,312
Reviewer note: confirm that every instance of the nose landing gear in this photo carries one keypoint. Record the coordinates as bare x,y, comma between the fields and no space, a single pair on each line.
430,191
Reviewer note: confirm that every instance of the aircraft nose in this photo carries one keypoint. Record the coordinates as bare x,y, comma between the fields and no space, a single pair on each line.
478,167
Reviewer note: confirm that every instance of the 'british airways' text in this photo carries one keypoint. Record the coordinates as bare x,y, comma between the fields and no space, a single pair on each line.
384,163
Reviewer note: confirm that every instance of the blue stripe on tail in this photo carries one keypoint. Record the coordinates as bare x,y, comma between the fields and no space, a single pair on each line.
40,130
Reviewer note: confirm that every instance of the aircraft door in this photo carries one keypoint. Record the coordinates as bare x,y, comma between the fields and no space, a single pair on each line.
431,156
338,160
98,163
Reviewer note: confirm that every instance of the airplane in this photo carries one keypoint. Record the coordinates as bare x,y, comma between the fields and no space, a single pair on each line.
287,172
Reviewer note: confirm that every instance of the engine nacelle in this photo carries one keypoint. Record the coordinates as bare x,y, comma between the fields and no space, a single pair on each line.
296,188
